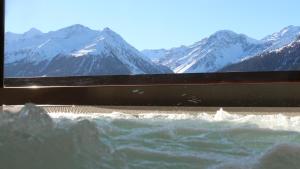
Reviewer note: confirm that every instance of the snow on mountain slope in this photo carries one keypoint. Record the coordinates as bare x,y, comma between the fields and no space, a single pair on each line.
78,45
108,41
46,46
220,49
286,58
29,34
208,55
282,38
155,55
91,52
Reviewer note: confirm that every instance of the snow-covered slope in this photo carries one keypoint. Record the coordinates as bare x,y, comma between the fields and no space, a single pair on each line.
282,38
286,58
210,54
219,50
75,50
46,46
155,55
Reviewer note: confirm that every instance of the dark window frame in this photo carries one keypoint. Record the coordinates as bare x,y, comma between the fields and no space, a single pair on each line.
233,89
2,40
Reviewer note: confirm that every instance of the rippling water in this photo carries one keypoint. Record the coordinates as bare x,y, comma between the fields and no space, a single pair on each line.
33,139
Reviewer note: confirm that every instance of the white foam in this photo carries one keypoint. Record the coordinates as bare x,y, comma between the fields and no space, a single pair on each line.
272,121
151,140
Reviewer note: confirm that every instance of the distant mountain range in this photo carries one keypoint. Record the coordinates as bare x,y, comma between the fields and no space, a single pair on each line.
219,50
78,50
74,51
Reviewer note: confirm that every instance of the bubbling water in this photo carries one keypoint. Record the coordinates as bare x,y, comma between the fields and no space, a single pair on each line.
35,139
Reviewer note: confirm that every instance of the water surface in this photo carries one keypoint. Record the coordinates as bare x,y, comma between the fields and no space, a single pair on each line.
35,139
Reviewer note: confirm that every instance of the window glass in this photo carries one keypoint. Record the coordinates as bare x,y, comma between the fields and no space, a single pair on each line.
130,37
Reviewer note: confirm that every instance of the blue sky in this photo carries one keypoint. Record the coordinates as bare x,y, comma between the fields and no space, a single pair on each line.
151,24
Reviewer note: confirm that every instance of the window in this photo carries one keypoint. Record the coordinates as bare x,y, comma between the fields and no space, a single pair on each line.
140,84
119,64
129,38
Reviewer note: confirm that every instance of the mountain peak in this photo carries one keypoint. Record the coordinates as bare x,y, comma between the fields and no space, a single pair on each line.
75,28
224,34
107,32
289,29
231,35
287,32
32,32
225,31
107,29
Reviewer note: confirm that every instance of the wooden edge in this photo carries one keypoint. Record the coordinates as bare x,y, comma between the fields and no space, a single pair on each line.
162,79
214,95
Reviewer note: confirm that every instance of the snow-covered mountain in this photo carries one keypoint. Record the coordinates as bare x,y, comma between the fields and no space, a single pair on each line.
46,46
75,50
279,39
286,58
78,50
219,50
155,55
210,54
